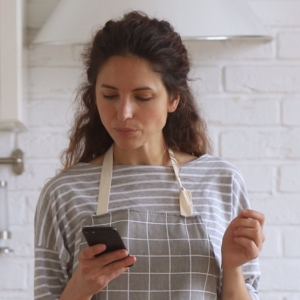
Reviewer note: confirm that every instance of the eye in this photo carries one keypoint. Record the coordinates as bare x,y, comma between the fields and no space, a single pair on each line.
109,96
144,98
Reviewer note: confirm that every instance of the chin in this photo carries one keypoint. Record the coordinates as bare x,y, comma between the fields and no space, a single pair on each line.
127,144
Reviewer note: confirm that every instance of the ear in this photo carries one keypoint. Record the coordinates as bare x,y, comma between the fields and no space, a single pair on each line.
172,105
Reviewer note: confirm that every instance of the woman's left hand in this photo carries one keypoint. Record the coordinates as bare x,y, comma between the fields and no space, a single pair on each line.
243,239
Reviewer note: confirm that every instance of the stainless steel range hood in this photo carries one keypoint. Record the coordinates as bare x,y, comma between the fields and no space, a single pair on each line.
74,21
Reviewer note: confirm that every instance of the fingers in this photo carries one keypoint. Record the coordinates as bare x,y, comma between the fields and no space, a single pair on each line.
116,267
243,238
90,252
250,218
249,225
90,261
252,249
249,213
94,273
111,257
251,234
111,265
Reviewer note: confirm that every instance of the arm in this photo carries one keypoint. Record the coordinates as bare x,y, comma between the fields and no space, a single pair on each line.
53,277
50,271
233,285
242,242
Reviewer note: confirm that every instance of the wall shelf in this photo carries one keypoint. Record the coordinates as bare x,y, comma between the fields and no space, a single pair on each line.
12,65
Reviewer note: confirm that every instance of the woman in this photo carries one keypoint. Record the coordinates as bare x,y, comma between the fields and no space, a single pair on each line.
183,215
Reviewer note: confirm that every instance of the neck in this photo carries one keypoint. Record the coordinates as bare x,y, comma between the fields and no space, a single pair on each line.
142,156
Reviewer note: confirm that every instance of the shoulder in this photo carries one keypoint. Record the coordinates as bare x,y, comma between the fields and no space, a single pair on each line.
69,178
60,189
209,162
213,166
222,176
221,168
184,158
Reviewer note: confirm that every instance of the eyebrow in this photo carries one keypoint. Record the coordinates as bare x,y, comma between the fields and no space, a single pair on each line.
114,88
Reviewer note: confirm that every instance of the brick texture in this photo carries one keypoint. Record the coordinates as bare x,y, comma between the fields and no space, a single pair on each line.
239,111
44,113
261,144
291,111
15,275
262,78
289,45
45,82
290,178
258,177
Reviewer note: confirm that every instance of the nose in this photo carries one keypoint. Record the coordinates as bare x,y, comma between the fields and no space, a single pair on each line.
125,109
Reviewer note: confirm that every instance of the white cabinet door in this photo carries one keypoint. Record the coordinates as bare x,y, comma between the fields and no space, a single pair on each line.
12,65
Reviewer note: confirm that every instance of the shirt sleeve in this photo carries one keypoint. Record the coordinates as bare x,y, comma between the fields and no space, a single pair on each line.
251,269
50,269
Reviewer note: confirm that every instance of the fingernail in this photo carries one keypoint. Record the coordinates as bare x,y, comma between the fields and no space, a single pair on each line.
123,252
101,247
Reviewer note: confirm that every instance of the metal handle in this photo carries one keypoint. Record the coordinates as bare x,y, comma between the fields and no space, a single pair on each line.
5,235
16,160
5,250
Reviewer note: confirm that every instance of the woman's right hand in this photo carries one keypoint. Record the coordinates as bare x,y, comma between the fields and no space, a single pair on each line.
94,273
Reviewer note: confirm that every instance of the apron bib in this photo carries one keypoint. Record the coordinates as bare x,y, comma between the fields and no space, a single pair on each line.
175,257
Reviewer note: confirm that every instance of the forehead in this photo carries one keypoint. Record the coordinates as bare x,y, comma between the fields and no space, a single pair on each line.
128,69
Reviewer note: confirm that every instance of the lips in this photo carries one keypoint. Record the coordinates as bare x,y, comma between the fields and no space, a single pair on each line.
125,131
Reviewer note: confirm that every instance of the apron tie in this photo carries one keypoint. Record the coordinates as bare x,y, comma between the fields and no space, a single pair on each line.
185,196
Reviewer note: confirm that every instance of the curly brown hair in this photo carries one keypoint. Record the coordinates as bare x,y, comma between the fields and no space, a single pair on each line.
155,41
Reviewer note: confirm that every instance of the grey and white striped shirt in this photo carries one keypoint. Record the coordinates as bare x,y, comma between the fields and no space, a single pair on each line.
218,193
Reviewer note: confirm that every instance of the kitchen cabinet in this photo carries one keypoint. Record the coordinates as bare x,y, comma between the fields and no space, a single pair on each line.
12,65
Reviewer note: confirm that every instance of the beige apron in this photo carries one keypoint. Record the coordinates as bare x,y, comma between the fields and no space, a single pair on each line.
175,258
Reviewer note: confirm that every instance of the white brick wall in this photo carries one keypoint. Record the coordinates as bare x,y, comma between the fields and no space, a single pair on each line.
250,95
263,78
239,111
290,179
261,143
289,45
280,13
291,111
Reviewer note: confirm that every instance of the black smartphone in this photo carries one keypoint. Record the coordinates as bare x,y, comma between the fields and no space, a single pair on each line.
103,235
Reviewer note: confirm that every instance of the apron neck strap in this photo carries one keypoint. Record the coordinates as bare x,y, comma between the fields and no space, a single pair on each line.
185,196
105,182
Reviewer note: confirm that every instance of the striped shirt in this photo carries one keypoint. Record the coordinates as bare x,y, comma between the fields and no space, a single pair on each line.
218,193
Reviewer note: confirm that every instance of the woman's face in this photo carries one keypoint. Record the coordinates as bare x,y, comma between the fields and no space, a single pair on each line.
132,102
